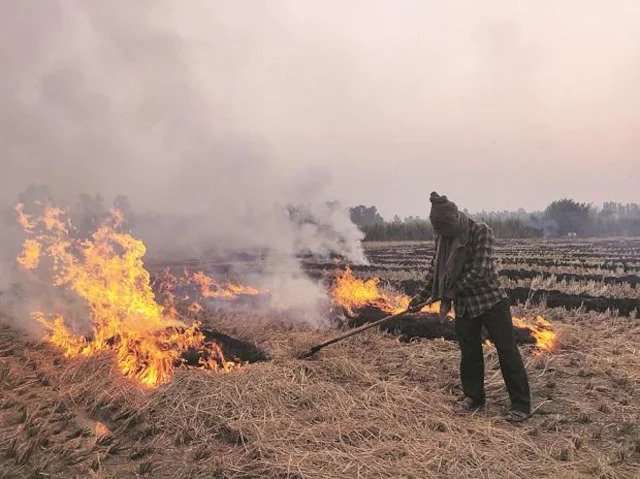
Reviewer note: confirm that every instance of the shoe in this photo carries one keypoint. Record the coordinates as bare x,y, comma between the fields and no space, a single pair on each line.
515,415
471,405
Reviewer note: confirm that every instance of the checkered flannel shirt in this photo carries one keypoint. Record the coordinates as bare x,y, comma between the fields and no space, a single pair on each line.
478,288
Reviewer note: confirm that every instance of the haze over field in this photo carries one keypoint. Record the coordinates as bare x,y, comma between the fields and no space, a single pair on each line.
207,206
225,107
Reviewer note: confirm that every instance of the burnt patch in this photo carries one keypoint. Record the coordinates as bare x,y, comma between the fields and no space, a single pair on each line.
234,349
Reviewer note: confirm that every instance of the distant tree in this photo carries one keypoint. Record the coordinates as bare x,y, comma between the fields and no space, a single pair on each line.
512,228
559,219
618,219
364,216
570,216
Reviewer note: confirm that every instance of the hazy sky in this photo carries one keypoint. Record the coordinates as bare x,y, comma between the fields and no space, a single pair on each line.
499,104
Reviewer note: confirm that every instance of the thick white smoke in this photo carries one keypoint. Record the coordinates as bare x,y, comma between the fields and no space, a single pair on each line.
109,98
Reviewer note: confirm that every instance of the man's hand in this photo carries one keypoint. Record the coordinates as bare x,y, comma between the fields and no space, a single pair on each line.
445,308
417,303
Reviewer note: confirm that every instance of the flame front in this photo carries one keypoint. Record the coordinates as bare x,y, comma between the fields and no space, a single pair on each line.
70,343
30,256
353,293
197,287
210,288
107,271
546,337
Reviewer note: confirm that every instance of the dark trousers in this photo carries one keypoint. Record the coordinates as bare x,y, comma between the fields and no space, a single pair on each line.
498,322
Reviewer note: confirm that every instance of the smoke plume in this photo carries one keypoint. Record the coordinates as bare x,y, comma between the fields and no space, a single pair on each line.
111,99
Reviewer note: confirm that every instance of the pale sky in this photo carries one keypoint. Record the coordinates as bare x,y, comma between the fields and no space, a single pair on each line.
500,104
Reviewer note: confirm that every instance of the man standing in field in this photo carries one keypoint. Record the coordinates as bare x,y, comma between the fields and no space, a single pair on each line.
464,273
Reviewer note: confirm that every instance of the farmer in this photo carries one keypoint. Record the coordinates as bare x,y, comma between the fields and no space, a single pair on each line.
464,273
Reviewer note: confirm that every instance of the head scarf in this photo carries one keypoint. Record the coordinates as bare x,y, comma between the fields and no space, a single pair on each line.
444,214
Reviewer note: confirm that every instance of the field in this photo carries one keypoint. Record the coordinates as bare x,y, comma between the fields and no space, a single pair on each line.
369,407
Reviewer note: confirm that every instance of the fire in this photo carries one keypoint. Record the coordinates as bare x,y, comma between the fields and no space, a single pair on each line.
23,219
546,337
195,287
30,256
353,293
107,271
434,308
70,343
210,288
53,220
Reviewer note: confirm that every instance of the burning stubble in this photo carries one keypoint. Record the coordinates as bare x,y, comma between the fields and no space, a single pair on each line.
354,294
107,301
106,271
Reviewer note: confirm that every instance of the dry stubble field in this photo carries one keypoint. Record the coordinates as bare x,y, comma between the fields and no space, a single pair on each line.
370,407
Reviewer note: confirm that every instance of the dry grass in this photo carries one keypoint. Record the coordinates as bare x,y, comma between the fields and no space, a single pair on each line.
368,407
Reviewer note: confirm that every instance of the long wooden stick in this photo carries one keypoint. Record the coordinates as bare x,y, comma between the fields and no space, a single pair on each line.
355,331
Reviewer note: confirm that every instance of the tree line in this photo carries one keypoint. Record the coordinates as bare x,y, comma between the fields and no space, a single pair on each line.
561,218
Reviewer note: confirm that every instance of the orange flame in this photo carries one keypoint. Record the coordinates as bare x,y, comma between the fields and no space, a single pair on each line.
70,343
353,293
107,271
30,256
169,286
24,219
546,337
210,288
53,220
434,308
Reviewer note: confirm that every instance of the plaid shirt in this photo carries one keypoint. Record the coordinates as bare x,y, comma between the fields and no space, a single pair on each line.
478,288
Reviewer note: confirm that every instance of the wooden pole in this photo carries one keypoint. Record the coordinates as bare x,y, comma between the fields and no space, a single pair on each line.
355,331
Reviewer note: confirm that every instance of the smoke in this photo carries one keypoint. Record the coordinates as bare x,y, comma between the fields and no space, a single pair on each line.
396,99
111,99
